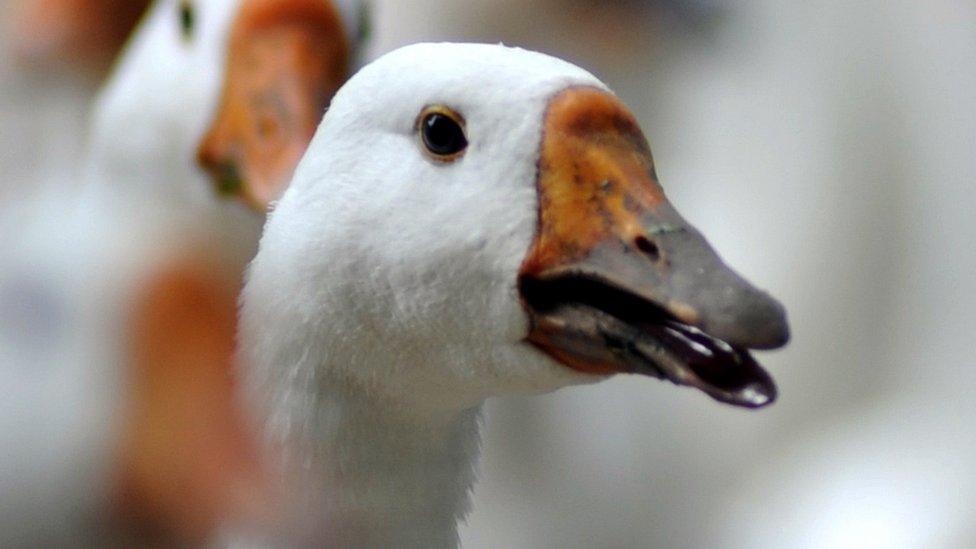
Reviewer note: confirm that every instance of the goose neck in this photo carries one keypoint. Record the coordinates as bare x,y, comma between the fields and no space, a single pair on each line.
393,477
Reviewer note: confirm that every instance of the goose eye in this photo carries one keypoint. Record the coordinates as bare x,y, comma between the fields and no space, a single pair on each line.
187,19
442,133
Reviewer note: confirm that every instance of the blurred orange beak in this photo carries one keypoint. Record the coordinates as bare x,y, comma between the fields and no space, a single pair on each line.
85,32
287,58
617,281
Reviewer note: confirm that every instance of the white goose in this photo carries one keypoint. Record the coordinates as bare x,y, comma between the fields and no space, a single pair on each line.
470,221
235,85
120,302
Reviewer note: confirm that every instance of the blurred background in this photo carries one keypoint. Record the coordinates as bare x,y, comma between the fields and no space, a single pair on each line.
827,148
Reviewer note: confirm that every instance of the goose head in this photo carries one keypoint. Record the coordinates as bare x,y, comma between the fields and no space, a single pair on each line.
476,220
229,89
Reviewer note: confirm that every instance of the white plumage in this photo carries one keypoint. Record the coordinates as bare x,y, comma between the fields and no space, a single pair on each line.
382,308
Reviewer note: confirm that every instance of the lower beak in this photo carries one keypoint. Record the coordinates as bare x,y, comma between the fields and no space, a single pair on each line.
618,281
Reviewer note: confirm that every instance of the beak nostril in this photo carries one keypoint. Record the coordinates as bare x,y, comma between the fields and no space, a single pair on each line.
648,247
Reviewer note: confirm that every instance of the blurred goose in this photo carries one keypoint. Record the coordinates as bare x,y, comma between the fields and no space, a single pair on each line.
120,299
470,221
249,81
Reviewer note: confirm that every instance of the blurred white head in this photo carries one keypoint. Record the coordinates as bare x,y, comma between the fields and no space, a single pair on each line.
232,89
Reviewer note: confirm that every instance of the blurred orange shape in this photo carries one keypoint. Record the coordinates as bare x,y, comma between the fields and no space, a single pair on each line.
78,33
189,462
286,60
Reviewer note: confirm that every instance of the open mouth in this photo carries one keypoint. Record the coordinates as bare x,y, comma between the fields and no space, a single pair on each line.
596,327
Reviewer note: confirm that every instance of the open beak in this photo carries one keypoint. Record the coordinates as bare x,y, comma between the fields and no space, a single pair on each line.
287,58
89,32
617,281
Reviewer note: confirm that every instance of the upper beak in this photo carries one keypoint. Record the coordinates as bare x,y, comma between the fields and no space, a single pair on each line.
286,60
611,245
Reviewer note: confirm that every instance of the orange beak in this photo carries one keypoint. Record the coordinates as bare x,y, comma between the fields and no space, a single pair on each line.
287,59
86,32
617,281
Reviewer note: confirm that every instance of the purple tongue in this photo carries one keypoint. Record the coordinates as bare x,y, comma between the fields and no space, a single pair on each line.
724,372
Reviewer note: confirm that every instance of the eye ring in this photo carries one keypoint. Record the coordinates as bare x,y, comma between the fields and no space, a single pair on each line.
187,16
442,134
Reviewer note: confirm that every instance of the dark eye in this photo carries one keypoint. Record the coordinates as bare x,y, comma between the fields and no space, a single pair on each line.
442,133
187,19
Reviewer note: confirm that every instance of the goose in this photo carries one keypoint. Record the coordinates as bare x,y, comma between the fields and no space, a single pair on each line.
126,282
249,80
469,221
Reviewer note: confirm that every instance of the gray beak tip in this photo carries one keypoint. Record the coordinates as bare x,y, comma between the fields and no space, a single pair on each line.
767,327
776,334
752,320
